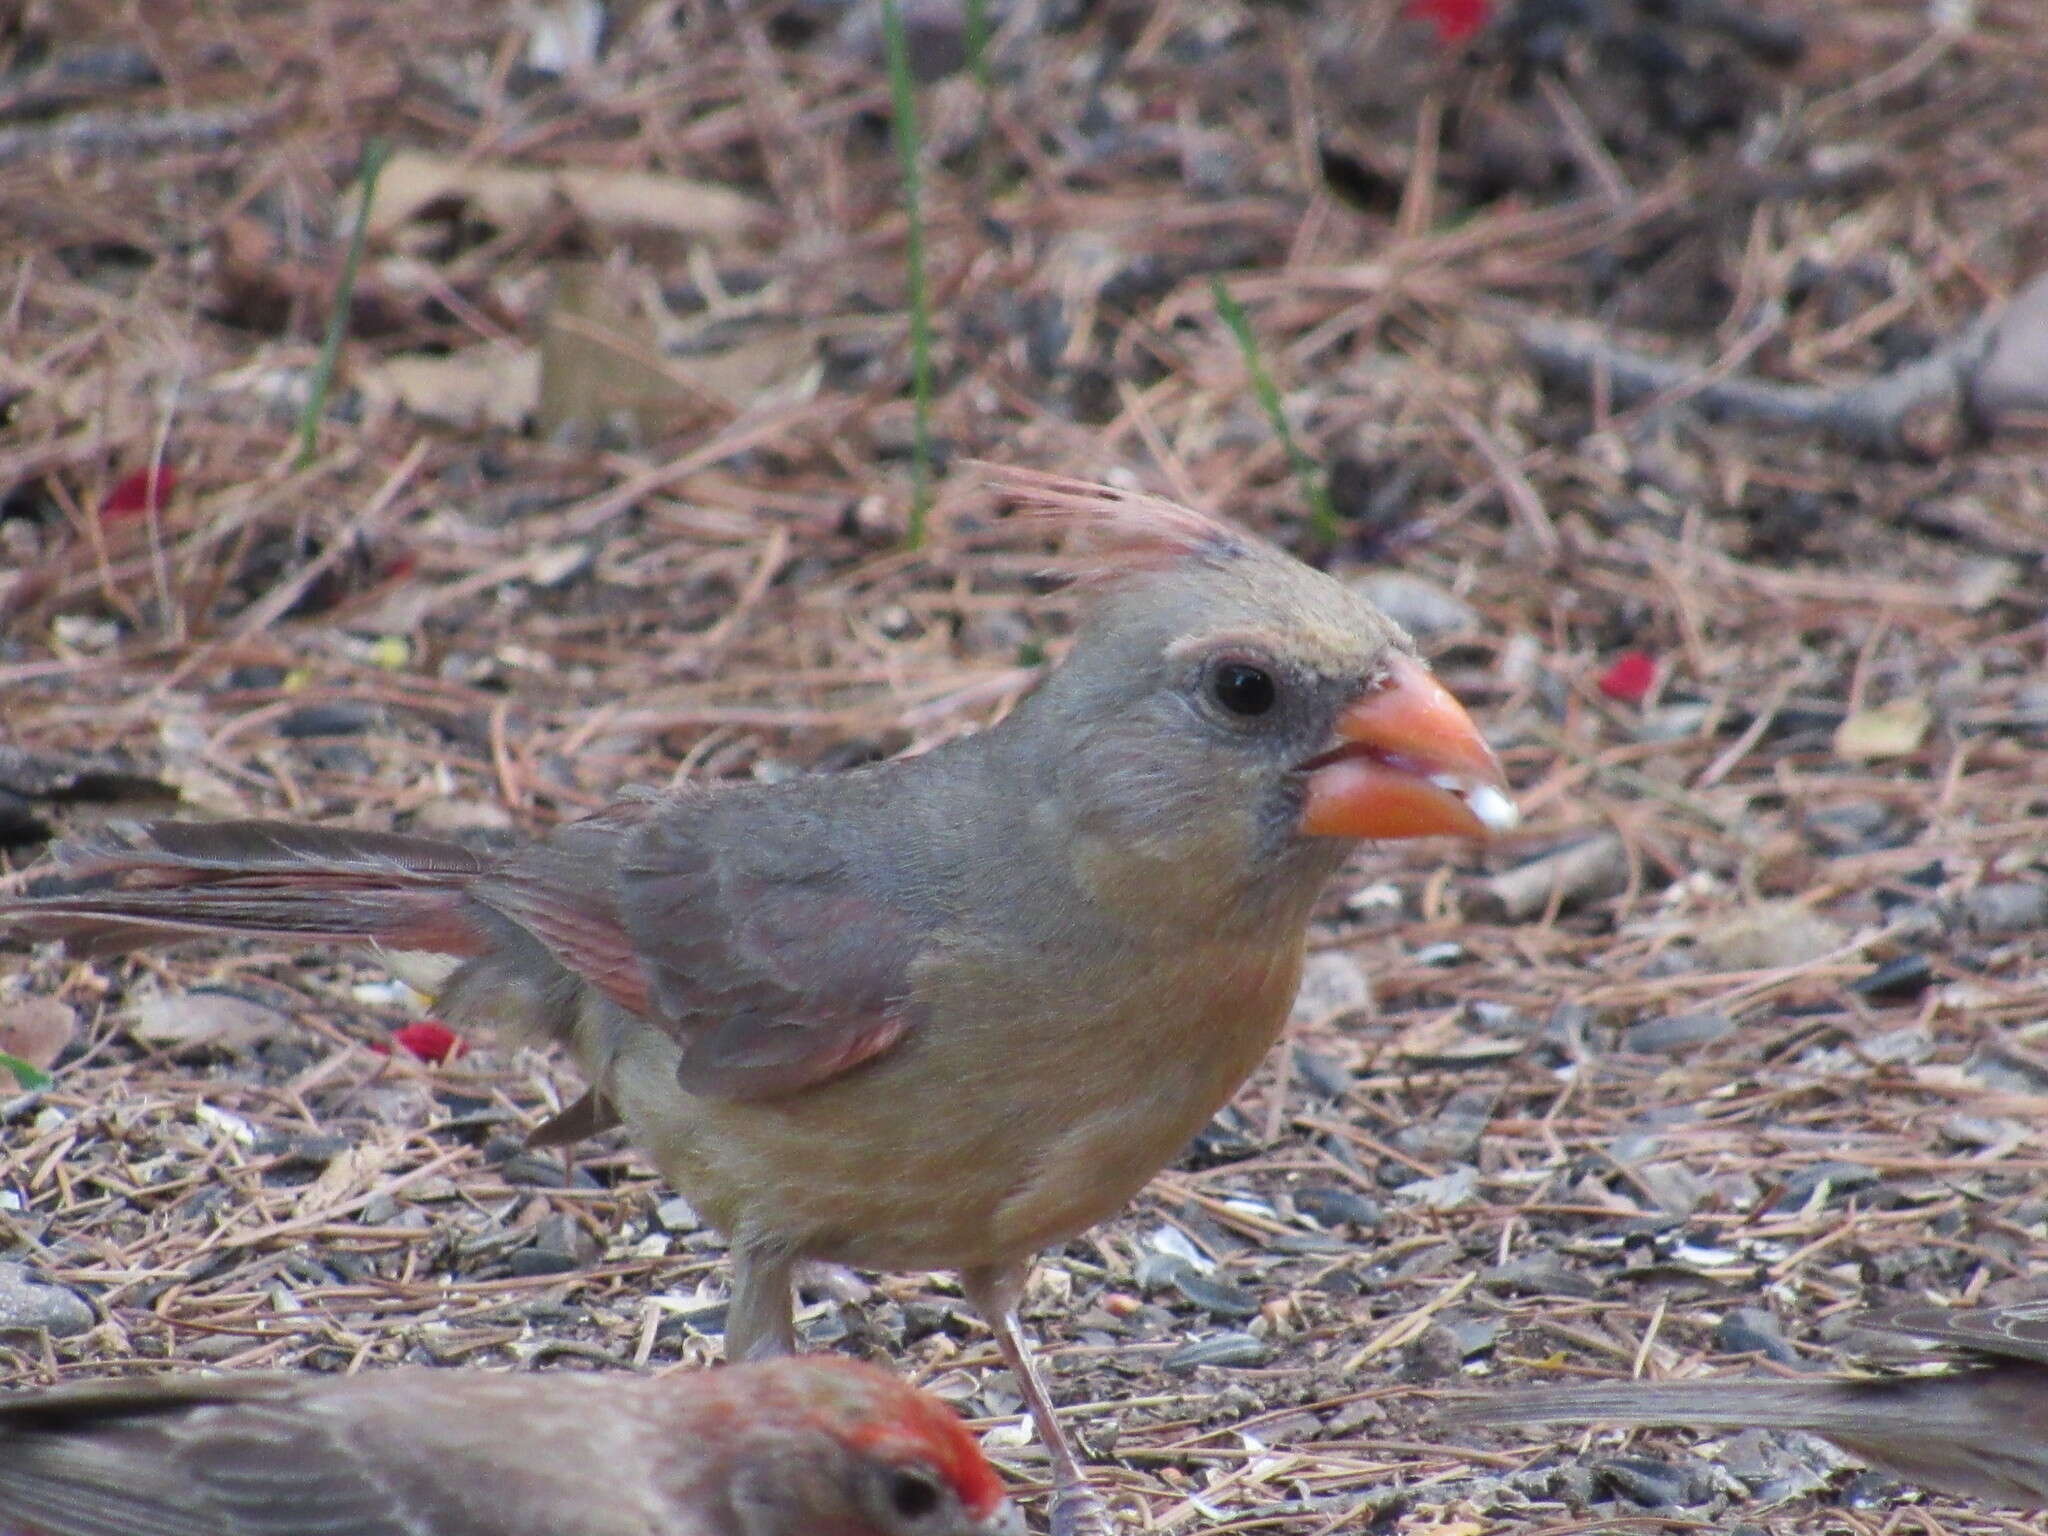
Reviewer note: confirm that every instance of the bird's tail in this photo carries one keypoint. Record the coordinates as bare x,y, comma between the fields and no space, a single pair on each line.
1766,1402
140,883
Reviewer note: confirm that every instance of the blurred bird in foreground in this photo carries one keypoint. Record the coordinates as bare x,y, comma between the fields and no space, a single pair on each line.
782,1448
940,1012
1972,1419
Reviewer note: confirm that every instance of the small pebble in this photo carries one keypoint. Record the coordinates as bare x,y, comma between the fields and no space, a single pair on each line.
1496,1018
1653,1484
677,1215
2010,906
531,1263
1213,1293
1909,1045
327,720
1336,1206
1469,1334
1443,1193
1840,1178
1382,900
1223,1349
535,1169
342,757
1851,828
1416,603
256,677
1676,1032
1323,1076
562,1236
1677,1189
1545,1276
1671,722
1753,1331
1895,980
29,1303
1332,985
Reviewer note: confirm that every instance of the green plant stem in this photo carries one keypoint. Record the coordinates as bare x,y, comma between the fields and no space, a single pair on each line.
903,96
375,153
985,82
1322,513
977,46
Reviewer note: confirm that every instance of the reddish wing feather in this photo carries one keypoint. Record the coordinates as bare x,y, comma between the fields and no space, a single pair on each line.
762,953
560,891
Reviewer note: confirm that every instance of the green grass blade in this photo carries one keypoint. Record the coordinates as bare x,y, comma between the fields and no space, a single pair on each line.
375,153
983,66
1322,513
903,98
30,1078
977,48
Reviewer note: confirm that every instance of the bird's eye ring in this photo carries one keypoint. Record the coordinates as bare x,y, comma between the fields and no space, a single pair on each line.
1242,689
913,1495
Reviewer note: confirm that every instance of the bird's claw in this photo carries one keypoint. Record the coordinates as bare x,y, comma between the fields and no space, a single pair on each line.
1079,1511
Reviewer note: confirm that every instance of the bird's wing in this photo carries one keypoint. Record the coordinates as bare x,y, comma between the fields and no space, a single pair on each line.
191,1458
749,924
563,893
2018,1331
772,947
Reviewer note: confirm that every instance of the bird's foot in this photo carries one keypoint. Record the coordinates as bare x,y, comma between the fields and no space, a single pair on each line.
1078,1510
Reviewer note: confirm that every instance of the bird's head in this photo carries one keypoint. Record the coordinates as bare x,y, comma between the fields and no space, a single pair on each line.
1228,709
843,1449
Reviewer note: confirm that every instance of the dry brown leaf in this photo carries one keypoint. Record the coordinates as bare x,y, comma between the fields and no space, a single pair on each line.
1770,936
34,1031
493,385
414,180
1890,730
601,368
217,1019
779,364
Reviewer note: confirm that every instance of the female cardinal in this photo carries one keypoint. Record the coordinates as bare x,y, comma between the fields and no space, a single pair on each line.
782,1448
942,1011
1972,1420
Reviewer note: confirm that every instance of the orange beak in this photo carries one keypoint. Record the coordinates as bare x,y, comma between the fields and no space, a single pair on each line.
1408,763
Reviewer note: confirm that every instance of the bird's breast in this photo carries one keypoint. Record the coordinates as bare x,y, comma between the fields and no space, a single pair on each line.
1160,1066
1036,1096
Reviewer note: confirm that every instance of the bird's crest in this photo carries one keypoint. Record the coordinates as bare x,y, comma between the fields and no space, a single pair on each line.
1118,532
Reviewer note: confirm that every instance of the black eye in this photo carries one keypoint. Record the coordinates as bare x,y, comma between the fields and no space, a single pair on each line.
913,1495
1243,689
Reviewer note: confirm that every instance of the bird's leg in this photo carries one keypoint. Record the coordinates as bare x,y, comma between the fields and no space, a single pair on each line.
761,1321
1077,1509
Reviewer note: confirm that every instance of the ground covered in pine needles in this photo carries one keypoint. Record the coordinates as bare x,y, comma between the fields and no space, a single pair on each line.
1650,359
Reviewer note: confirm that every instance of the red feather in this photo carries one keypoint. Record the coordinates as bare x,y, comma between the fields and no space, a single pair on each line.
1454,20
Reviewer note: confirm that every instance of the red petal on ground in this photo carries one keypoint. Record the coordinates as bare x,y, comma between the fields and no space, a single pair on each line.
1630,678
430,1041
1454,20
139,491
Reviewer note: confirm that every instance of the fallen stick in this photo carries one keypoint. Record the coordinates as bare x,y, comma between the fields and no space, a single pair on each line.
115,133
1993,375
1582,871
